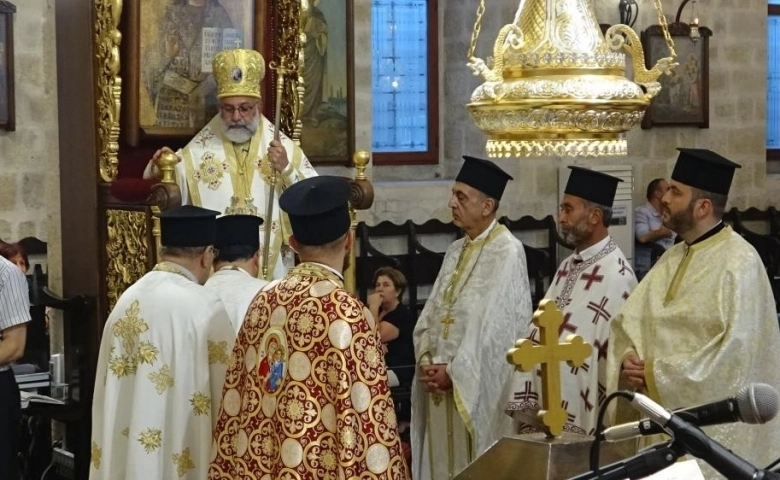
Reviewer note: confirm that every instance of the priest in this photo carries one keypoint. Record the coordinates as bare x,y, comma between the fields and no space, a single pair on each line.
306,395
237,264
479,306
162,362
229,164
589,288
703,322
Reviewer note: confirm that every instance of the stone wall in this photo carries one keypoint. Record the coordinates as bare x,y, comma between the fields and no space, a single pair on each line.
29,181
29,177
737,115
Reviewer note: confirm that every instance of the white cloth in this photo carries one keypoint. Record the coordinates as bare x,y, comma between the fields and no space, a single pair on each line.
237,288
491,309
162,362
210,164
14,296
589,288
14,299
704,322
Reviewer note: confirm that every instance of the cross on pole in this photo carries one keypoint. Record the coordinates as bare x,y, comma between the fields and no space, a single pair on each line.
282,68
549,353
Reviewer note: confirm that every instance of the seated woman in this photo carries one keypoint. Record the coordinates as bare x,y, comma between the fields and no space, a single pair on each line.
14,253
395,322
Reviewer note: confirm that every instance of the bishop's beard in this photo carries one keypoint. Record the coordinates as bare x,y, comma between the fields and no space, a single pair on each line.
241,131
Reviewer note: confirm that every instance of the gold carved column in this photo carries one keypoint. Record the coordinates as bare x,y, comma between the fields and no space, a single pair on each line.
108,85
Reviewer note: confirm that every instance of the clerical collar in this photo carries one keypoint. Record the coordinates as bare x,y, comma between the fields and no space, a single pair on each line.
591,251
338,274
712,232
233,268
484,234
173,267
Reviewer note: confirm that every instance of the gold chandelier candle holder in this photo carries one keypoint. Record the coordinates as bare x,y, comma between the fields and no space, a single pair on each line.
555,86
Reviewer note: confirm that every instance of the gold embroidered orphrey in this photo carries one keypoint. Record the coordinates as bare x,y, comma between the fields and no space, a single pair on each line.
450,297
549,353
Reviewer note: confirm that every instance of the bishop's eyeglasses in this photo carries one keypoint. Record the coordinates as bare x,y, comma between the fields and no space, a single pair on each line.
244,109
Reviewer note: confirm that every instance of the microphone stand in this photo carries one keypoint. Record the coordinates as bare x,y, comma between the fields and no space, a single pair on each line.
650,461
646,463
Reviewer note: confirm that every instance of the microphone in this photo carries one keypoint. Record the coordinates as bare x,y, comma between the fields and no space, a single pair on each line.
754,403
696,442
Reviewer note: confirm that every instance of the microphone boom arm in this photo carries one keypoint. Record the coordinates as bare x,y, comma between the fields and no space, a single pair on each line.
640,465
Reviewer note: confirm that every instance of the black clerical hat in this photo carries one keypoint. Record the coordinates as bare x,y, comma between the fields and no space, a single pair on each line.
483,175
591,185
318,209
705,170
188,226
233,230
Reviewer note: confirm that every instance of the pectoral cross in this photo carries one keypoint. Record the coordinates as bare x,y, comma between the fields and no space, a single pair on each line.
549,353
446,321
238,43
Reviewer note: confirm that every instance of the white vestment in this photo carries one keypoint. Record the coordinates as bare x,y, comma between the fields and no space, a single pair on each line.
589,288
213,170
162,362
479,306
237,288
705,323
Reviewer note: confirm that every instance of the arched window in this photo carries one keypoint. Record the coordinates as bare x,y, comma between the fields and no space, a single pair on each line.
405,81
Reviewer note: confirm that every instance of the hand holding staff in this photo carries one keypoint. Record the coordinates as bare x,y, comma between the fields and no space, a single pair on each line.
282,69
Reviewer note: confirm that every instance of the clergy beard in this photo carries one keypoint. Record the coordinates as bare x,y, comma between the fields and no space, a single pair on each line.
241,131
576,234
682,221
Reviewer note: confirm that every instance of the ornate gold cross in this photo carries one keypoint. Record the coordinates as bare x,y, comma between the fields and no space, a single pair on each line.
447,321
549,353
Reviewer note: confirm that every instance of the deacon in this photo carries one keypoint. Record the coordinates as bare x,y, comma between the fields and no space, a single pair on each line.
703,322
237,264
589,288
162,362
306,396
229,164
479,306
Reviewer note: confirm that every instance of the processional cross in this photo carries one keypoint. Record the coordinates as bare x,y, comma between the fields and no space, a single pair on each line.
549,353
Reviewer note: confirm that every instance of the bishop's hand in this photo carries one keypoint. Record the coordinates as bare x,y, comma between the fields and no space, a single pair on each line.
277,155
156,173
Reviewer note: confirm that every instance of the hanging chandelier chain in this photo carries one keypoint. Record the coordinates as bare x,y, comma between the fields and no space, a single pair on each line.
477,28
665,27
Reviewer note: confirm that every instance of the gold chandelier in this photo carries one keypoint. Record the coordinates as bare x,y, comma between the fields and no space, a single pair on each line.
555,86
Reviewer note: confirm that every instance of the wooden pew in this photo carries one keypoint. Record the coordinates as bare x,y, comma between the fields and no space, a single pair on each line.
370,258
766,242
428,261
541,254
418,251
